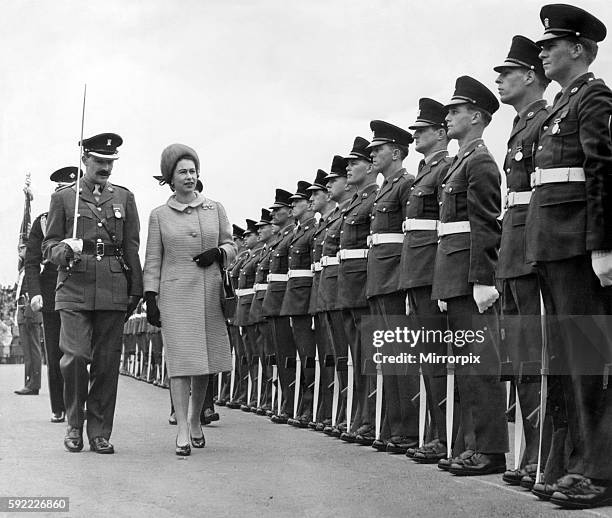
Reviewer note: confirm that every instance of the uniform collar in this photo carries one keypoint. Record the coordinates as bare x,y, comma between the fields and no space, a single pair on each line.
442,153
173,203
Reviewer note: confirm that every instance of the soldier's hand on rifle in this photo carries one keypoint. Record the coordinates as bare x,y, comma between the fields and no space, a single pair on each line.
153,315
485,296
72,249
132,304
208,257
36,303
601,260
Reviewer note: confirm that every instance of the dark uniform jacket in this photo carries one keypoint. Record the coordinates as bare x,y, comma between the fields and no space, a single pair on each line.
316,254
297,294
327,294
262,268
572,218
40,282
420,246
352,273
387,217
246,280
470,191
518,166
279,264
234,273
94,284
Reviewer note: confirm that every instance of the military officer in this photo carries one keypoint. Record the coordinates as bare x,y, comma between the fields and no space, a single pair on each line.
327,294
284,345
100,277
464,275
258,268
388,149
419,255
569,237
41,288
297,299
352,272
521,83
324,206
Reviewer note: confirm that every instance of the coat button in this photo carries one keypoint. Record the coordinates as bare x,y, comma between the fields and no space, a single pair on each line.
443,185
98,240
99,224
188,211
545,128
194,234
439,203
99,208
539,148
508,170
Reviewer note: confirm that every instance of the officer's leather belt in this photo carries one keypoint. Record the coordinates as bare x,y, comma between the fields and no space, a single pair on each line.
277,277
557,175
328,260
453,227
260,287
410,224
383,239
360,253
316,267
99,249
241,292
518,198
299,273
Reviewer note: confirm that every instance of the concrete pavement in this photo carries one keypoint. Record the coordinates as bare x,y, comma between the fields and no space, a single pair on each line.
250,467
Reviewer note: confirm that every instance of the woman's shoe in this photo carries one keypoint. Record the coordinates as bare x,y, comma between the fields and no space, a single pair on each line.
183,450
198,442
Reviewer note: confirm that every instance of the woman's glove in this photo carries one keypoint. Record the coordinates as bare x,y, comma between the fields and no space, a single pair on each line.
208,257
153,315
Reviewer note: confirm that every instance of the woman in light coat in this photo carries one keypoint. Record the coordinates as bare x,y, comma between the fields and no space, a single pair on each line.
189,239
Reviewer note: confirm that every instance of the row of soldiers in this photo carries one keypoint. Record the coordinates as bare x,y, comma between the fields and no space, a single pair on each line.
430,244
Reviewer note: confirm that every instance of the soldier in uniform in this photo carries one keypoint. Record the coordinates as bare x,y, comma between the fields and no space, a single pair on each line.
297,300
388,150
99,279
569,237
464,276
352,273
284,345
41,277
521,84
419,255
327,294
322,204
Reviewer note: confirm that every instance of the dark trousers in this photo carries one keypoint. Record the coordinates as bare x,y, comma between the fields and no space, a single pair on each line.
284,347
363,410
483,397
339,346
304,338
523,343
249,340
401,414
326,377
29,338
265,349
51,327
434,376
91,338
240,369
569,287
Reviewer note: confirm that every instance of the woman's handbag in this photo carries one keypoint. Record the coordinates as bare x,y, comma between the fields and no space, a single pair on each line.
228,295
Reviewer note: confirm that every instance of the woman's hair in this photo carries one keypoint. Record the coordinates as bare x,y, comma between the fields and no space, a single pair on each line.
170,157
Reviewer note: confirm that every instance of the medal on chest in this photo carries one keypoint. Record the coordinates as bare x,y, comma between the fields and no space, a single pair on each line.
518,156
555,129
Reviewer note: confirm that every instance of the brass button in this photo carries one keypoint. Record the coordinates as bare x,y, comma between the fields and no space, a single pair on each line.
99,208
99,224
194,234
98,240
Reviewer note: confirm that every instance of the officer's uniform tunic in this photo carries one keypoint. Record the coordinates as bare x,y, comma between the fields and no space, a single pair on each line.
470,191
92,298
565,222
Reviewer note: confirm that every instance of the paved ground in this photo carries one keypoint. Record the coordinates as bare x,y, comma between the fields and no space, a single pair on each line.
250,467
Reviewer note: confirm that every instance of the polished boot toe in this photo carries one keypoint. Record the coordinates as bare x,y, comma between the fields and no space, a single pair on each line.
73,440
579,492
27,392
544,491
480,464
365,440
101,445
400,444
379,445
58,417
348,437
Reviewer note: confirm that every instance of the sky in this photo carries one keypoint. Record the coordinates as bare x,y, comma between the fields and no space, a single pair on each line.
265,91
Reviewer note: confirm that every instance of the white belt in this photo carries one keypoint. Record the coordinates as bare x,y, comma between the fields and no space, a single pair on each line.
299,273
316,267
360,253
419,224
241,292
518,198
327,260
557,175
277,277
453,227
260,287
382,239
